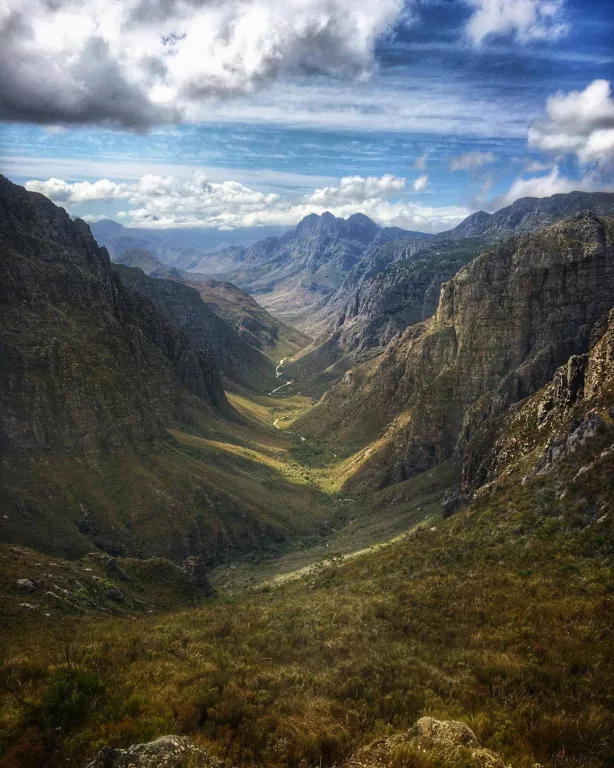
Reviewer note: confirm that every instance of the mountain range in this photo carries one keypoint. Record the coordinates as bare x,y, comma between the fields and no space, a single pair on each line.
383,537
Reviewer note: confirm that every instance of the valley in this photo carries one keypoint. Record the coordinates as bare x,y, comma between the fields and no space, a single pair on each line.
290,546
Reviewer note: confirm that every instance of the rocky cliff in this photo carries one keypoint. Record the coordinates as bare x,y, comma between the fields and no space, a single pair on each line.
503,326
85,364
397,284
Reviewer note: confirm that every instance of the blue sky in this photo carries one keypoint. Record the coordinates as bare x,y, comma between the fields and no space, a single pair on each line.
425,95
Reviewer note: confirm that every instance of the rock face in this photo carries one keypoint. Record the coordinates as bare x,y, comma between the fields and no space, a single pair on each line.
165,752
183,308
398,285
429,743
503,326
574,409
85,363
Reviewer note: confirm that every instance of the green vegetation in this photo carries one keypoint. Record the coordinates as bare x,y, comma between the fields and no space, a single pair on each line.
499,616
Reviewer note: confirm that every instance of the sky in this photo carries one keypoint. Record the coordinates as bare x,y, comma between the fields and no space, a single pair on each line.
241,114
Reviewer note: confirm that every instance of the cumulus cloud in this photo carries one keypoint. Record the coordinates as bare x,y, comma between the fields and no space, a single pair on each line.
525,20
356,189
579,123
170,201
421,183
471,161
136,62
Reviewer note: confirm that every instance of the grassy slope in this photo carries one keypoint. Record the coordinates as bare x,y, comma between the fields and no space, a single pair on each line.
499,616
276,339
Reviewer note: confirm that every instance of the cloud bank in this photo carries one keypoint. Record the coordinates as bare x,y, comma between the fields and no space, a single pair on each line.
170,201
133,63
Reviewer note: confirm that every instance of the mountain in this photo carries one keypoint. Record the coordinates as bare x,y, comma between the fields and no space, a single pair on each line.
530,214
503,325
146,261
290,275
183,308
260,333
397,285
116,434
180,248
255,325
84,363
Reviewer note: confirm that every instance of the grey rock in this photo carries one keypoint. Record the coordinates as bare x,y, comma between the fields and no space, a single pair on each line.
165,752
26,585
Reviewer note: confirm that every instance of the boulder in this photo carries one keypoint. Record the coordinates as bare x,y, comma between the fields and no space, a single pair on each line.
165,752
430,743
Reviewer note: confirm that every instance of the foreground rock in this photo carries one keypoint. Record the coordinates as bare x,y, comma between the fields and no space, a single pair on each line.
428,744
165,752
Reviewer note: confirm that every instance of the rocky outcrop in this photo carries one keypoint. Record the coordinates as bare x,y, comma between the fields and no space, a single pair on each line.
85,363
397,286
430,743
503,326
539,433
165,752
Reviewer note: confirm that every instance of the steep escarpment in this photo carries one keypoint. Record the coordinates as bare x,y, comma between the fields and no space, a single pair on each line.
184,309
397,286
572,414
85,364
503,326
115,431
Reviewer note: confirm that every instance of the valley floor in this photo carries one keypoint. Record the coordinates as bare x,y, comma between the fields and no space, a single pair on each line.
498,617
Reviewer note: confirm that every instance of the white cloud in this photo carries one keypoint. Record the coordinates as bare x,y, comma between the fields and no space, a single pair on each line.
356,189
579,123
421,183
551,184
471,161
421,162
534,166
525,20
137,62
61,191
171,201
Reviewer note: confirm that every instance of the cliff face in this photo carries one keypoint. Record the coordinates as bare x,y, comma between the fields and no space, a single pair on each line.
85,364
503,326
535,437
396,286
